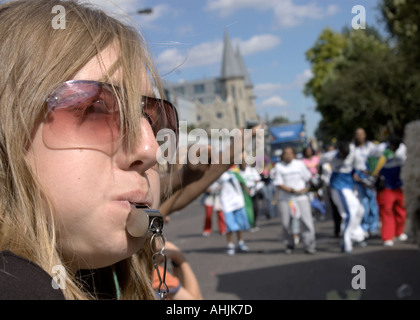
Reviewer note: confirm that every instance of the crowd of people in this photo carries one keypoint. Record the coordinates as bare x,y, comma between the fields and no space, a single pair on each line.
82,197
356,183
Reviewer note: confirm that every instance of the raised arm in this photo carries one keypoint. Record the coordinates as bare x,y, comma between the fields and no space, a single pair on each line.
192,188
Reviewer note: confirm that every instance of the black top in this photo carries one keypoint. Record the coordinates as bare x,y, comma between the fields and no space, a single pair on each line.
21,279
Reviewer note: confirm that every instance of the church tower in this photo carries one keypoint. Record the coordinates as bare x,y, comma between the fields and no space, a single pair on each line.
223,102
236,85
249,88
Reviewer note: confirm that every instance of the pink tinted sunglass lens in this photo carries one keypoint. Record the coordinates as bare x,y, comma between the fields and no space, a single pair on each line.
82,114
161,115
85,114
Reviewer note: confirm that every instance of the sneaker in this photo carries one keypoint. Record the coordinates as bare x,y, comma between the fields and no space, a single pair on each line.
310,251
206,234
362,244
402,237
345,250
388,243
242,247
288,251
255,229
230,249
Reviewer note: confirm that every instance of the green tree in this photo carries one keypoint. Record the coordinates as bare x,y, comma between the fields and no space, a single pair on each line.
369,84
327,47
279,120
365,91
356,93
402,20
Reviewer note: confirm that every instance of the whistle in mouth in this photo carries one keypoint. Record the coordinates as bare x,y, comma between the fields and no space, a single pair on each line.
142,220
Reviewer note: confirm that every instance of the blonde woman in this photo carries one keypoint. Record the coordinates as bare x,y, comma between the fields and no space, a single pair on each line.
78,120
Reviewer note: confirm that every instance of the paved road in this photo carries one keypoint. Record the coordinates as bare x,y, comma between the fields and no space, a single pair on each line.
267,273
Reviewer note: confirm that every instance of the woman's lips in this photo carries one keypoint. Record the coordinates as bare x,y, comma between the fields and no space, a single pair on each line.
128,206
125,204
137,197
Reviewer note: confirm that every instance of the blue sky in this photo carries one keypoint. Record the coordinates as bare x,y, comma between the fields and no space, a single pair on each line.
186,39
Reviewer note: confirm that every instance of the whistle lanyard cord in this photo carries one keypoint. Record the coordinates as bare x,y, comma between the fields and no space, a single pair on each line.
157,238
116,283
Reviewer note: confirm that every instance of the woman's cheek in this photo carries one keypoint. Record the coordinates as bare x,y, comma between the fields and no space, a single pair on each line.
154,180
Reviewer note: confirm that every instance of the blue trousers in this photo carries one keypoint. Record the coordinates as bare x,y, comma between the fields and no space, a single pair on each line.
368,199
265,200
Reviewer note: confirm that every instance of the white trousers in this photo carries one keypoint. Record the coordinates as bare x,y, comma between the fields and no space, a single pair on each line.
306,223
351,211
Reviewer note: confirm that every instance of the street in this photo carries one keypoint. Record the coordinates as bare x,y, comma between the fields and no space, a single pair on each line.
267,273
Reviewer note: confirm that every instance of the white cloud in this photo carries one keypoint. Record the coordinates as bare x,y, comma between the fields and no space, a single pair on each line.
258,43
286,12
274,101
205,53
208,53
115,8
227,7
332,10
302,78
267,89
147,20
185,30
126,10
170,59
270,88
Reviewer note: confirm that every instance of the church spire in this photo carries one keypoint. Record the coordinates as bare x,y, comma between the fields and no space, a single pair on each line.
244,70
231,67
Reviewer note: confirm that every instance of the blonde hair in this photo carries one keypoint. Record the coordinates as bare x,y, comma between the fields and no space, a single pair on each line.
35,58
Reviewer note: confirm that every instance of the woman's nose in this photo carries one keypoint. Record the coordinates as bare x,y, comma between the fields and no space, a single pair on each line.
144,154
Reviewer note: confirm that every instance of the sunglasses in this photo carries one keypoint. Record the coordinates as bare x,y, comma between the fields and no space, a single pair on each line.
85,114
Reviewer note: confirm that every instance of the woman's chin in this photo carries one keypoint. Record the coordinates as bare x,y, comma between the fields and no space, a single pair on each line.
101,257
